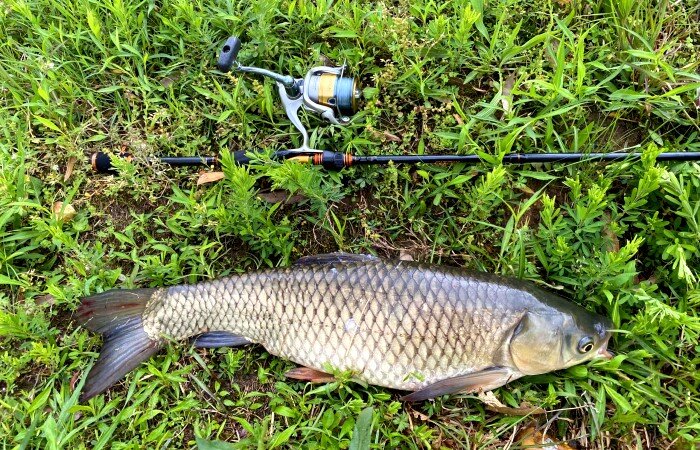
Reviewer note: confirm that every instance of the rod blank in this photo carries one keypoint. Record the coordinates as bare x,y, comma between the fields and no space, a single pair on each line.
523,158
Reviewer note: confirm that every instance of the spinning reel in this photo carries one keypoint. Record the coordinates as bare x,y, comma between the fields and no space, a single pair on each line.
326,91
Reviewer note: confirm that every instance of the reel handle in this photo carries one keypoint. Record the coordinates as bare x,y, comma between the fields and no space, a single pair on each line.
228,55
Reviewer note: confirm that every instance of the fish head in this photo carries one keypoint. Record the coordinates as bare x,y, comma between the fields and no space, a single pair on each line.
550,339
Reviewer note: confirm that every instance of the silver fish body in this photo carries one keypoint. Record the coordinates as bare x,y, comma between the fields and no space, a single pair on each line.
396,324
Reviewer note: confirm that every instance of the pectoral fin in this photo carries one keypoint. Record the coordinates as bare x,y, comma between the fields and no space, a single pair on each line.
482,381
309,374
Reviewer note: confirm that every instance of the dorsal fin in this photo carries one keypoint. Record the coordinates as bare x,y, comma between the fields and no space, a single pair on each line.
335,258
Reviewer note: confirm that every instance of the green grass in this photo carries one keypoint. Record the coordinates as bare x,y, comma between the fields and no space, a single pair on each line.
623,239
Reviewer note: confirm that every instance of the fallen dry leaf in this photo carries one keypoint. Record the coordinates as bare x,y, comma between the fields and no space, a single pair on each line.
535,440
210,177
419,415
506,95
280,197
63,212
385,135
526,189
45,299
69,168
167,81
404,255
391,137
613,243
74,380
493,404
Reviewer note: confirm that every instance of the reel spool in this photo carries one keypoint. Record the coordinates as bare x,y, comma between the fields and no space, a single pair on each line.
327,88
326,91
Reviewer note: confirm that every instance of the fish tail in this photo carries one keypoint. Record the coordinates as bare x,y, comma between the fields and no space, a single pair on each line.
117,315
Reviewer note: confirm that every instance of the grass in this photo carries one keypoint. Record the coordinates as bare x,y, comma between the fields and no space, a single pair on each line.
78,76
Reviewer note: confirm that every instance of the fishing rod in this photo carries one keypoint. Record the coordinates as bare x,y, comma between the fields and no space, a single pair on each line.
334,96
330,160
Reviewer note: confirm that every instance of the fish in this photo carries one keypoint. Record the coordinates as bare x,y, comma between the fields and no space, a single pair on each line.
427,330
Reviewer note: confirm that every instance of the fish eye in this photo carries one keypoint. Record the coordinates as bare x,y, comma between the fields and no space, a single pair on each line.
585,345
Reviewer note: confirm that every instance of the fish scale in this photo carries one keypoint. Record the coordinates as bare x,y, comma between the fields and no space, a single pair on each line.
416,326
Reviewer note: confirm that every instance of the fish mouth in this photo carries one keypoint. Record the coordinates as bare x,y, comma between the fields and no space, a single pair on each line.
603,351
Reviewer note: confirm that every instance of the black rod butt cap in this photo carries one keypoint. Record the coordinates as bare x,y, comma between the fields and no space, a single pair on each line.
101,163
228,54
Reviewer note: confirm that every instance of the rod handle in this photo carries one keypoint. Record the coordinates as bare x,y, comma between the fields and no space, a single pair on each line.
240,158
228,54
102,163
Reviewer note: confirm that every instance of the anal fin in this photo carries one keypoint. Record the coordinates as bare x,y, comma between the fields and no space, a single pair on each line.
214,339
309,374
481,381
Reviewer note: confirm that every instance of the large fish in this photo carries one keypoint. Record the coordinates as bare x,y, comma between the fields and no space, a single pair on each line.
428,329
